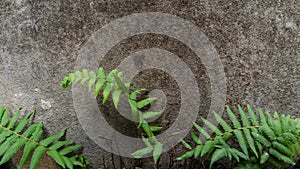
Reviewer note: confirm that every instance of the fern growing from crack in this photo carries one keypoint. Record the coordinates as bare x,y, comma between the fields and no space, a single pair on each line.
267,139
112,84
14,135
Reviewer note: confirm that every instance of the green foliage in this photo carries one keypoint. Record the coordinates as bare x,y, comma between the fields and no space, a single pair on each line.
268,140
112,84
14,135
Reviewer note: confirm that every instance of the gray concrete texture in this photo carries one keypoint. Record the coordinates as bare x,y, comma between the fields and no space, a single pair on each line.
258,43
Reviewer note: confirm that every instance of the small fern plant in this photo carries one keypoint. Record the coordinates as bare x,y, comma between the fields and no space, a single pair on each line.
112,84
14,135
261,141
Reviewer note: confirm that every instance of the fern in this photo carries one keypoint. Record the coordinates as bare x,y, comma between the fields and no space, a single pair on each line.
112,84
14,136
275,137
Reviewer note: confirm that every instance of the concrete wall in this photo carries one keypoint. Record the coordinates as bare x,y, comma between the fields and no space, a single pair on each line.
257,41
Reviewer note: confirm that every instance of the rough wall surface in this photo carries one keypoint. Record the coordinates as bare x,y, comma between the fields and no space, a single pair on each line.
258,42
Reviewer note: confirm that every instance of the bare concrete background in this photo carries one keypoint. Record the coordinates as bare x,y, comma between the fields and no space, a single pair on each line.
258,42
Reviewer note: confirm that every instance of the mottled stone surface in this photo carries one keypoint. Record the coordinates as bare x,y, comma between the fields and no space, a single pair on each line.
258,42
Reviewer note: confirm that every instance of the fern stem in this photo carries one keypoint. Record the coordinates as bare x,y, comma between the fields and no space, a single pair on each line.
21,136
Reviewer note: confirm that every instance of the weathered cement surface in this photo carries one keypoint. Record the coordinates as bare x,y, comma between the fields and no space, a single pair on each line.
258,42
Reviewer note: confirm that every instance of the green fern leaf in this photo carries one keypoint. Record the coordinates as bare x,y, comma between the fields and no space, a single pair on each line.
284,123
120,83
264,157
76,77
208,145
240,154
101,73
186,145
155,128
187,155
145,102
197,151
241,140
147,142
262,117
158,147
134,94
202,131
5,118
38,132
91,83
250,141
23,122
14,119
68,162
218,154
98,86
148,115
212,126
59,144
282,148
259,146
223,123
57,157
69,149
140,153
7,143
281,156
277,127
30,130
108,86
268,131
270,120
36,157
4,134
196,138
116,97
233,153
77,160
83,80
29,147
134,110
233,118
289,136
50,139
106,91
2,110
261,139
243,116
252,117
147,129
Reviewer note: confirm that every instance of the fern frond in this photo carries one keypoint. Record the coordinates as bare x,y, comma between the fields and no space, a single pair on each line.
13,139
